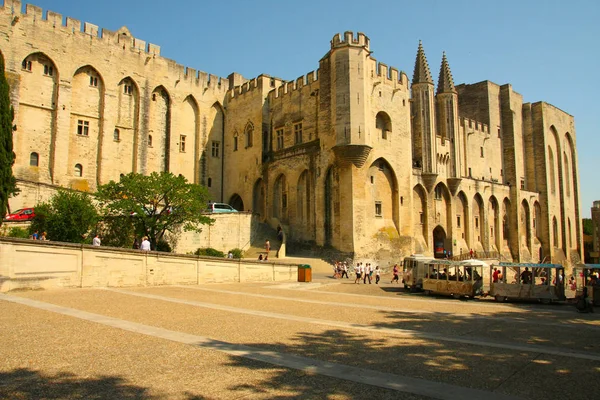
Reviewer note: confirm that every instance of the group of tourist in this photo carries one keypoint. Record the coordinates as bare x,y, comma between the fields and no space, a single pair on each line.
362,272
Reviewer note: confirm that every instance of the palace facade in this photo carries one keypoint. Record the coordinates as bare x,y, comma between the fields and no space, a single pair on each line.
354,155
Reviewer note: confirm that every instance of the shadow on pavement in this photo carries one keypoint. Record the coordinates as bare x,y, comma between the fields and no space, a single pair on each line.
27,384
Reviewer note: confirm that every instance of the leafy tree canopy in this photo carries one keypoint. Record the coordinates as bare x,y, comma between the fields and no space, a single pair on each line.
588,226
159,202
67,217
8,183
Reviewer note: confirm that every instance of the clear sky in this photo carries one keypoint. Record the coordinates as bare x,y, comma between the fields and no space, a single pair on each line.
549,50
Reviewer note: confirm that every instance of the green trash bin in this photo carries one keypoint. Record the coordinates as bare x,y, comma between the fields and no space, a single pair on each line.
304,273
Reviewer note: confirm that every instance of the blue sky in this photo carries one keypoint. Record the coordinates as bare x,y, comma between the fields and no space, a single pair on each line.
547,49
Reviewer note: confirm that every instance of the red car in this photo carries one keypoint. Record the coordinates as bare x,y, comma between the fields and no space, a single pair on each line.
24,214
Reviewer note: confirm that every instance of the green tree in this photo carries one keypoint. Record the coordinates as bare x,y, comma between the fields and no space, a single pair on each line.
8,183
158,203
588,226
67,217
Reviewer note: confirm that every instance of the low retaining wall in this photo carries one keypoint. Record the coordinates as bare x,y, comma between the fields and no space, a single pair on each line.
28,264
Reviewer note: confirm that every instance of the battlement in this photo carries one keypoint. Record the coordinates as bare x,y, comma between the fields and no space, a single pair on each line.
34,16
473,125
360,40
290,87
261,81
390,74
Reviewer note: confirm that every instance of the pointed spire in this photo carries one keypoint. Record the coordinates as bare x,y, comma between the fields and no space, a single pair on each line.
445,82
421,74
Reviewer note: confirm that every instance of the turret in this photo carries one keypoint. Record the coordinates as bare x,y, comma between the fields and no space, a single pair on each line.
447,117
423,118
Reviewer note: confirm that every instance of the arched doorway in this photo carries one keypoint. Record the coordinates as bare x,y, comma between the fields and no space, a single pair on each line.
236,202
439,242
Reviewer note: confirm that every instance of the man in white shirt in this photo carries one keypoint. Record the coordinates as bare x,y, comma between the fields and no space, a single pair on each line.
145,244
96,240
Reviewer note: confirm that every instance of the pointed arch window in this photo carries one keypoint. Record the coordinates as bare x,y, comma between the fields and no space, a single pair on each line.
235,141
249,132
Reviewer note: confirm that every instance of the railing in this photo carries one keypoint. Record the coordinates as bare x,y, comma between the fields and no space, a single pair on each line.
480,255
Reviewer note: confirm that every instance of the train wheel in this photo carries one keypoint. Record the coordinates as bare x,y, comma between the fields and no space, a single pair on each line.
500,299
427,292
456,296
546,301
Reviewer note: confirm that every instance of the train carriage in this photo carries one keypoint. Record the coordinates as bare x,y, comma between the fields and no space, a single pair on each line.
588,275
527,281
456,279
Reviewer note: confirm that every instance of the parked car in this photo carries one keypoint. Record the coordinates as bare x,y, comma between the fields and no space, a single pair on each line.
220,208
24,214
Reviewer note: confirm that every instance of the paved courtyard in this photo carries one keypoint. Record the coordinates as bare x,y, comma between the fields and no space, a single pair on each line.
330,339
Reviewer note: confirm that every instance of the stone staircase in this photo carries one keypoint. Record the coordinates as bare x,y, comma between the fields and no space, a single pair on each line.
262,233
318,265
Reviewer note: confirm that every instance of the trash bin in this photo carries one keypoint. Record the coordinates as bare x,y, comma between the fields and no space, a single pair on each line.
304,273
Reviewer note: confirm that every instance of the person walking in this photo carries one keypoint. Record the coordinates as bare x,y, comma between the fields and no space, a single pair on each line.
345,269
395,272
368,272
377,275
357,271
96,240
136,244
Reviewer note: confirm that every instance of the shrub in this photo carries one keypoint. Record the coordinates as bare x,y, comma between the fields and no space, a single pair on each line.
209,251
20,233
163,246
237,253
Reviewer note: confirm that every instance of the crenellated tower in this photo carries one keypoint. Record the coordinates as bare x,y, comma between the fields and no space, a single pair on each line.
348,58
422,115
447,117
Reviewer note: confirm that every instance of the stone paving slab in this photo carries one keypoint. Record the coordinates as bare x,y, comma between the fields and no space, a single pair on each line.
46,355
470,367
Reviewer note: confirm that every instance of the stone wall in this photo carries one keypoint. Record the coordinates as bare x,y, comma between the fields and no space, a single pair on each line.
31,265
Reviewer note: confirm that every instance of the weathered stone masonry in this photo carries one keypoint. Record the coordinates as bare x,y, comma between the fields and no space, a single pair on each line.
352,155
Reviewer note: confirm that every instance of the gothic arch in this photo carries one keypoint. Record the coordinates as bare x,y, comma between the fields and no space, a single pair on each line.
259,199
494,223
331,198
525,227
87,120
555,237
208,166
420,218
382,185
189,136
37,117
462,222
159,126
537,219
383,124
552,168
280,198
249,134
442,208
303,208
478,221
127,123
236,202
